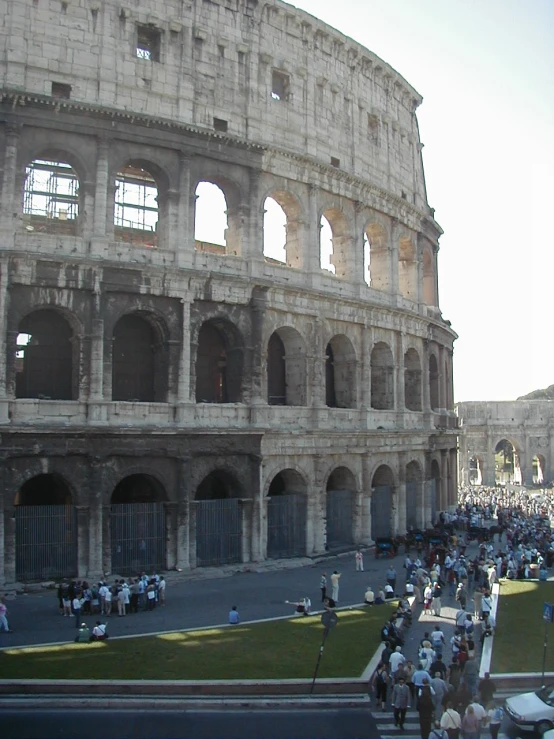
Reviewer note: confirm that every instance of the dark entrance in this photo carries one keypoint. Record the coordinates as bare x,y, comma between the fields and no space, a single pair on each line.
341,488
45,530
381,503
135,355
218,521
413,498
286,516
137,526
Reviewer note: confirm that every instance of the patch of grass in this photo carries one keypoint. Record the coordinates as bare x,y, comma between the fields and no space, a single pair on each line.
272,650
519,638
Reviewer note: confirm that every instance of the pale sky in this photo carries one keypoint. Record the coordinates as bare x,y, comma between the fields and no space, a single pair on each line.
485,69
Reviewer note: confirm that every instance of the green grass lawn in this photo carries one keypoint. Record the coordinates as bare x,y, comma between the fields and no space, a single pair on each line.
519,638
273,650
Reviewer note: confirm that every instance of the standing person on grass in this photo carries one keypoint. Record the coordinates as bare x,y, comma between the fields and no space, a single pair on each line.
323,586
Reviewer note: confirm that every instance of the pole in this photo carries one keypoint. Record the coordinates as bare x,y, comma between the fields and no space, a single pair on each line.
325,634
544,652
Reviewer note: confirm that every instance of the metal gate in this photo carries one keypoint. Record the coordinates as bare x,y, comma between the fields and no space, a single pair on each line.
381,512
138,538
218,532
45,542
411,504
339,518
286,526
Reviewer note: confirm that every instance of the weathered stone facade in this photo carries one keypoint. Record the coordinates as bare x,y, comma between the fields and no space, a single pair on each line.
526,424
172,362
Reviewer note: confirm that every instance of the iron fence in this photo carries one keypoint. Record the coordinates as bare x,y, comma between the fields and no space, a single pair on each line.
218,532
138,538
286,526
339,518
45,542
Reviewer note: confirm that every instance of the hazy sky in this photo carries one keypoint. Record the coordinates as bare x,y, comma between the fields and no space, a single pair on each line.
485,69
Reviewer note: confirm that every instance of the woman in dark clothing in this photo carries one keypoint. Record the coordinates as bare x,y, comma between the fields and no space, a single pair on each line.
425,708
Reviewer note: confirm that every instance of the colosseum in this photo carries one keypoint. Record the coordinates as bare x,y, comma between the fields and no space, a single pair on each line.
167,401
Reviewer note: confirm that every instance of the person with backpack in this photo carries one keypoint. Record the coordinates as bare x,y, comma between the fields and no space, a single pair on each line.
379,684
425,708
494,718
438,732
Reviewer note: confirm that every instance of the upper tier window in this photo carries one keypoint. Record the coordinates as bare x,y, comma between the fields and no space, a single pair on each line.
149,44
280,84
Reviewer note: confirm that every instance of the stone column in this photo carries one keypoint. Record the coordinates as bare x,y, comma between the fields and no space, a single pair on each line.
246,509
400,391
444,480
95,524
183,514
453,497
182,241
427,492
317,391
425,379
312,259
365,362
394,282
86,212
420,273
8,207
3,502
102,232
170,510
9,541
83,542
106,539
400,512
251,217
4,302
183,380
442,380
316,510
357,274
365,537
192,532
257,349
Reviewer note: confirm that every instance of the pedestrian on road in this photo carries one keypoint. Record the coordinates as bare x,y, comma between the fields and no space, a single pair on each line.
400,702
391,578
470,724
379,684
487,689
323,587
335,577
471,674
495,714
451,721
234,617
359,557
425,708
437,593
4,626
77,611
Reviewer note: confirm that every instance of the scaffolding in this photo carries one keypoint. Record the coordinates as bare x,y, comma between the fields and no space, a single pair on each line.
136,200
51,193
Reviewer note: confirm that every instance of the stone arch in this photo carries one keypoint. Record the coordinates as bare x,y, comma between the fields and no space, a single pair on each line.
340,373
140,363
538,468
338,259
507,465
447,385
340,502
412,380
382,377
434,379
139,487
219,362
377,257
286,367
414,495
45,529
407,268
53,193
229,220
435,492
286,247
429,297
218,519
286,514
47,356
382,508
141,203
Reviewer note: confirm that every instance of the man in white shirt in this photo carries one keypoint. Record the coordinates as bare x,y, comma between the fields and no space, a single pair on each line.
396,658
99,632
335,577
478,709
102,592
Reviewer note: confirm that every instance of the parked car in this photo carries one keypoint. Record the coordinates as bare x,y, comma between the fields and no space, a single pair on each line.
533,711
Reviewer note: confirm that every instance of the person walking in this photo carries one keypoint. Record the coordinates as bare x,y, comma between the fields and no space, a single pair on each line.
359,557
323,586
400,702
335,577
470,724
76,605
436,603
471,674
379,684
425,708
451,721
391,578
4,626
495,714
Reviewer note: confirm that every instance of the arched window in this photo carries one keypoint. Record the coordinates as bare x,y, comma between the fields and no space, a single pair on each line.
44,357
376,258
340,373
51,198
334,242
407,269
412,380
211,226
341,490
139,362
414,496
286,515
382,486
286,368
326,245
382,377
434,382
136,211
276,371
428,278
219,362
282,229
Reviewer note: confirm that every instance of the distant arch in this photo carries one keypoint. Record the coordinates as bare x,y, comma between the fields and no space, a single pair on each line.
412,380
382,377
341,491
219,362
382,485
286,367
334,242
434,383
282,229
376,257
407,269
340,373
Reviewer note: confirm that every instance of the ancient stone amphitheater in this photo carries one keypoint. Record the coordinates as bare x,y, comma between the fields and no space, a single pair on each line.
169,402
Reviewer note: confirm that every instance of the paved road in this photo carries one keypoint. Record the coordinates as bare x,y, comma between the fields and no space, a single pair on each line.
228,724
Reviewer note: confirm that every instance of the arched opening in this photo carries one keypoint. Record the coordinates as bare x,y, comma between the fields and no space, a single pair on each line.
334,242
340,373
219,363
376,258
412,380
433,383
538,465
341,492
382,503
507,468
139,363
382,377
218,520
45,529
435,492
211,224
44,357
51,201
139,206
282,229
286,368
137,526
428,278
414,496
286,515
475,471
407,269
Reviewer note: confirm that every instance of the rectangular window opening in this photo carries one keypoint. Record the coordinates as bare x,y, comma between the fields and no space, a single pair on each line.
61,90
280,84
221,125
335,162
149,42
